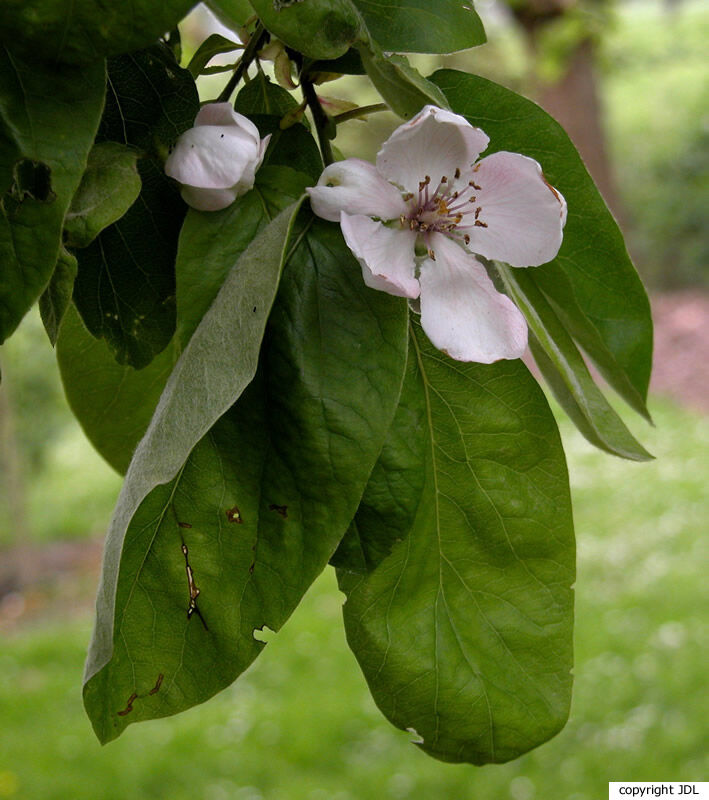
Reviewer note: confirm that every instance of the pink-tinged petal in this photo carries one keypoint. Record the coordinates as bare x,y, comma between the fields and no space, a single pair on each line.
524,215
208,199
386,255
211,156
355,186
222,114
434,143
462,312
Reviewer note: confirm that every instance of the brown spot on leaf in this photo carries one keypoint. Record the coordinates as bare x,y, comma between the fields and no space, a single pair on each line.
158,684
129,705
234,515
184,524
282,510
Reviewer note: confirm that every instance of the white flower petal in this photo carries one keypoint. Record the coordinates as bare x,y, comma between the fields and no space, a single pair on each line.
211,156
208,199
386,255
355,186
462,312
222,114
524,215
434,143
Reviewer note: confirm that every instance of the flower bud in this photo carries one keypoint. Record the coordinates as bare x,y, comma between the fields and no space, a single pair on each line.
216,160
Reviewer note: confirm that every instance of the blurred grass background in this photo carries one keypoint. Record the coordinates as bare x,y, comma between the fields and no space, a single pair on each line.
300,724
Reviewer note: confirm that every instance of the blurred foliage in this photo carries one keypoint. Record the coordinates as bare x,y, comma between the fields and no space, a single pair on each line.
68,490
656,79
640,666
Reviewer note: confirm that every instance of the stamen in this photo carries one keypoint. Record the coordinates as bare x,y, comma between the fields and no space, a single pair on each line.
477,211
475,186
457,173
466,238
480,224
408,196
444,179
402,220
431,254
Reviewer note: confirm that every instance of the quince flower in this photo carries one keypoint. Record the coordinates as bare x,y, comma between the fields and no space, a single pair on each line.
216,160
416,220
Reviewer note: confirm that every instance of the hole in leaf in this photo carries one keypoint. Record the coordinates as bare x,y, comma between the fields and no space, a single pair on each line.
32,179
263,634
418,739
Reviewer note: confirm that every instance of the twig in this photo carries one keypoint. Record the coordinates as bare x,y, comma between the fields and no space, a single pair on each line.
320,118
252,48
355,113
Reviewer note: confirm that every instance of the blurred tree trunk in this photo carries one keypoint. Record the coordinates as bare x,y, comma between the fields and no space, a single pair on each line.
573,99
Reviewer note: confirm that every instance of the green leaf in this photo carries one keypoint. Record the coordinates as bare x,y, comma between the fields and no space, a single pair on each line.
56,298
261,96
212,242
212,372
592,283
125,289
150,101
232,13
213,45
108,188
564,368
316,28
82,31
112,403
48,120
403,88
294,148
348,64
464,630
261,502
420,26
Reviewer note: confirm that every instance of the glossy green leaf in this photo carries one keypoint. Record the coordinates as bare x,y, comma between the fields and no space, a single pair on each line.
316,28
125,289
592,283
82,31
212,372
213,45
48,120
294,147
262,501
348,64
564,368
56,298
464,629
422,26
212,242
113,403
401,86
261,96
232,13
108,188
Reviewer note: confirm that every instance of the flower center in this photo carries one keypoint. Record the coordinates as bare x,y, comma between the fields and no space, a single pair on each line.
443,209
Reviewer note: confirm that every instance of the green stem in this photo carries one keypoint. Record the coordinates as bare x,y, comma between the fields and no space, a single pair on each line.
355,113
320,118
254,45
